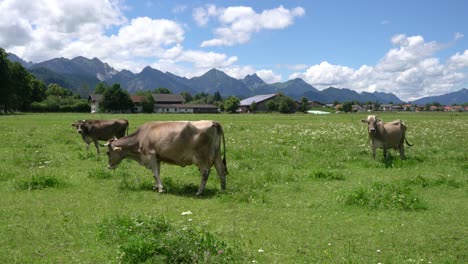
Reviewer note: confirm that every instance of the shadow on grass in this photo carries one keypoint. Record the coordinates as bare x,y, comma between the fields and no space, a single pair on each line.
170,186
186,190
396,161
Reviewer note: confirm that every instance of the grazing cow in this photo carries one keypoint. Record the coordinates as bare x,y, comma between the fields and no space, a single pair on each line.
94,130
386,135
175,142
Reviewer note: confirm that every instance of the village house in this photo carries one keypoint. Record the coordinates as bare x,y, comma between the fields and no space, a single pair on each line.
185,108
357,108
94,100
175,103
315,104
137,103
163,103
259,100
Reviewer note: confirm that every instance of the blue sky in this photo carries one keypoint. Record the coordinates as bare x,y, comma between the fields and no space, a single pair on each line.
410,48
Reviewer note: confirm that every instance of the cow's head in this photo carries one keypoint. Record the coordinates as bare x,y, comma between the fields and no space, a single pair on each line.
114,154
372,123
81,126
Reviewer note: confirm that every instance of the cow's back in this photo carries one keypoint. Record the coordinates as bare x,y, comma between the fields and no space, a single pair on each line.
106,129
178,142
394,133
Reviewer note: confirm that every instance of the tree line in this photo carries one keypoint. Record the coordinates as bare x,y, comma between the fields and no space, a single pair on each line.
22,91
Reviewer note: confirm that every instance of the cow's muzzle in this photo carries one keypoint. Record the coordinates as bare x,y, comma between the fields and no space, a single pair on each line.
372,130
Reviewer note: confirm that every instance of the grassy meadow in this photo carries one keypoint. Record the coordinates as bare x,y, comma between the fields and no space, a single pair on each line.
301,189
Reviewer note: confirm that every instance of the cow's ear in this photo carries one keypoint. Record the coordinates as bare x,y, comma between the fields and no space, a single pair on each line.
363,121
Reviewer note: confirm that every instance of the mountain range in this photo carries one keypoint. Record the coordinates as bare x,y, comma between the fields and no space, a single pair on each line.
81,75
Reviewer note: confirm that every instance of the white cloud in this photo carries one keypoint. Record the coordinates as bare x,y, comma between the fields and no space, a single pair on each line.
202,15
42,30
459,60
410,70
238,72
458,35
239,23
269,76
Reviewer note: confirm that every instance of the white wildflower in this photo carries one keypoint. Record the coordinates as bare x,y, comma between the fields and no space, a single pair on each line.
186,213
260,251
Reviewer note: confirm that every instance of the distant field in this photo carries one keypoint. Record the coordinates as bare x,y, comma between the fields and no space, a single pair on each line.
301,189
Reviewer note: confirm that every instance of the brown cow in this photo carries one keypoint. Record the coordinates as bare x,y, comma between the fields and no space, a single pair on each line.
386,135
94,130
175,142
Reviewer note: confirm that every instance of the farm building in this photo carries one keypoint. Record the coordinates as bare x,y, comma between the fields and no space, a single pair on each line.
174,103
94,100
314,104
185,108
137,103
168,99
260,101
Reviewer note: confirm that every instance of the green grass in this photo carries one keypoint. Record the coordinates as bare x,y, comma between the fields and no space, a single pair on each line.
301,189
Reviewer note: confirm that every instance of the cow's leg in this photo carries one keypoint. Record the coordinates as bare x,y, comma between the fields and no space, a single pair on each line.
221,170
205,172
155,167
96,144
373,151
402,150
385,154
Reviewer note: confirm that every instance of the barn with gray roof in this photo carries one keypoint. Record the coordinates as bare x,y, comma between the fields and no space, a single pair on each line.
260,102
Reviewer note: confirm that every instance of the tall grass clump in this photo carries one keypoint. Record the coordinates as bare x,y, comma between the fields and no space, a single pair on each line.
385,196
328,175
101,174
426,182
38,182
145,239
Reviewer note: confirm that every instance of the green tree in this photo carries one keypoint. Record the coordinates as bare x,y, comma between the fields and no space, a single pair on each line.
217,97
162,90
347,107
253,106
271,105
231,104
427,107
21,80
148,101
187,96
304,106
5,87
285,104
57,90
38,91
116,100
100,88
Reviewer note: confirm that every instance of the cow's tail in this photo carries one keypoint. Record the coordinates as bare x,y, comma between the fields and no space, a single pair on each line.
407,143
221,132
